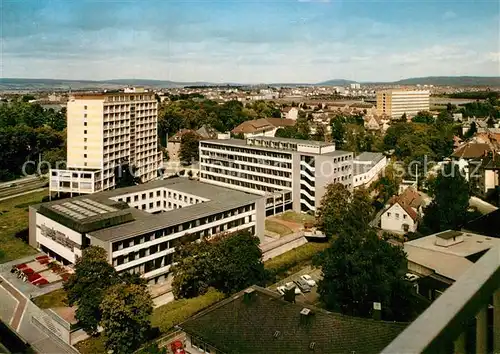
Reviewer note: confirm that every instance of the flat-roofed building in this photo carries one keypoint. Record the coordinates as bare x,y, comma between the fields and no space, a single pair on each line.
105,130
368,166
395,103
140,226
291,173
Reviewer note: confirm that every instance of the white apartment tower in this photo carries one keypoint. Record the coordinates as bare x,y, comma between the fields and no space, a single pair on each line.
105,130
395,103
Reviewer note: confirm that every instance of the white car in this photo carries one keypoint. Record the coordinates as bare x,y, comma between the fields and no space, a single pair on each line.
281,290
297,290
308,279
411,277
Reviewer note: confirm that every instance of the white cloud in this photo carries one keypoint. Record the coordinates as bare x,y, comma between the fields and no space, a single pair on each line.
448,15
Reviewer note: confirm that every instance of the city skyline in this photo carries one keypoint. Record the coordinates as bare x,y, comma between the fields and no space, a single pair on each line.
249,41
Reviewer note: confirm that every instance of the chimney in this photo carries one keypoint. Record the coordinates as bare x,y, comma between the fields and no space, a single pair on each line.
249,294
377,311
305,316
290,294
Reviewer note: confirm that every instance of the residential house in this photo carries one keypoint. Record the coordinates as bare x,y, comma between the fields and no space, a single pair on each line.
174,144
262,127
258,320
403,212
207,132
290,113
376,122
470,151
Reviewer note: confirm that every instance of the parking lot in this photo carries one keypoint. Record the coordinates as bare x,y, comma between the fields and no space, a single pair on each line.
309,297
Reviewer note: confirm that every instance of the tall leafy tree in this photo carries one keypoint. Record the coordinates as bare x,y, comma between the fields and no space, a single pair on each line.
360,269
342,210
448,209
229,263
472,131
126,311
189,151
423,117
87,286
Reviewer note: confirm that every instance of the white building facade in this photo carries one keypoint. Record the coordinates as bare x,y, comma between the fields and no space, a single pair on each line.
141,226
395,103
292,174
368,167
105,130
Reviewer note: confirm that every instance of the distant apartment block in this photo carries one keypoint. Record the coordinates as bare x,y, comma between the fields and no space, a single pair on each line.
395,103
291,173
140,226
103,131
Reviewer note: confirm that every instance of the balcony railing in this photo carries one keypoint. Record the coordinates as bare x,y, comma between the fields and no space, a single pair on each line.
442,328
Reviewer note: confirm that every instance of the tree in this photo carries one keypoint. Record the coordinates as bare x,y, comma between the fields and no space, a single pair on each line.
386,186
189,151
237,263
125,175
87,286
472,131
228,263
448,209
126,311
491,122
338,131
360,269
423,117
342,210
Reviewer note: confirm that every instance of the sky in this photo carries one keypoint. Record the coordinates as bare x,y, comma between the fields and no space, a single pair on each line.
249,41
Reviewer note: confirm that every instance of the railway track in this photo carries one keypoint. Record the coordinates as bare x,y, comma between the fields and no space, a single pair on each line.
20,186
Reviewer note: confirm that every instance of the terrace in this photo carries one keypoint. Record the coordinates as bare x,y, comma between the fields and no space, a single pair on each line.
41,271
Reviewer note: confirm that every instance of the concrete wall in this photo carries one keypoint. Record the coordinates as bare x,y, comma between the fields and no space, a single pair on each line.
260,219
296,182
32,227
327,172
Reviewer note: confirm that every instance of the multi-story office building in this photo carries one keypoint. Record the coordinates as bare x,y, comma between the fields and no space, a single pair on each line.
291,173
395,103
104,131
140,226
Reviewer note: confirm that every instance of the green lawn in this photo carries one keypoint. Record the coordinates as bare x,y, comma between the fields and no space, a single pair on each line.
299,218
56,298
277,228
167,316
292,261
92,345
14,219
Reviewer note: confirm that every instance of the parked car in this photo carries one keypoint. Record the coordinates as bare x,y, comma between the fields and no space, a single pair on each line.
308,279
297,290
281,290
411,277
303,286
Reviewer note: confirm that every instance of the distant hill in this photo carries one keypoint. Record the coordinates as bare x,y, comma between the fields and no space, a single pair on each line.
452,81
61,84
336,82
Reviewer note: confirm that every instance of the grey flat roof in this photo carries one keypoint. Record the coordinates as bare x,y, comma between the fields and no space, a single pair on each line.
219,199
290,140
243,143
372,157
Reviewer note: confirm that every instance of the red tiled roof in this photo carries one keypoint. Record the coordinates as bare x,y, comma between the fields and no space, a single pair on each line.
471,150
253,126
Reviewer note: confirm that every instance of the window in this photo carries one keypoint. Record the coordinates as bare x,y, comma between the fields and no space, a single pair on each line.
84,107
85,147
128,199
388,215
151,205
84,124
85,115
158,193
397,216
84,132
150,194
85,164
85,156
84,140
144,196
404,216
136,198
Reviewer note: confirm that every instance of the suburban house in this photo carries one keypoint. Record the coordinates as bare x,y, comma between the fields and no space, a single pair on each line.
258,320
403,212
207,132
376,122
174,144
290,113
487,173
262,127
468,152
